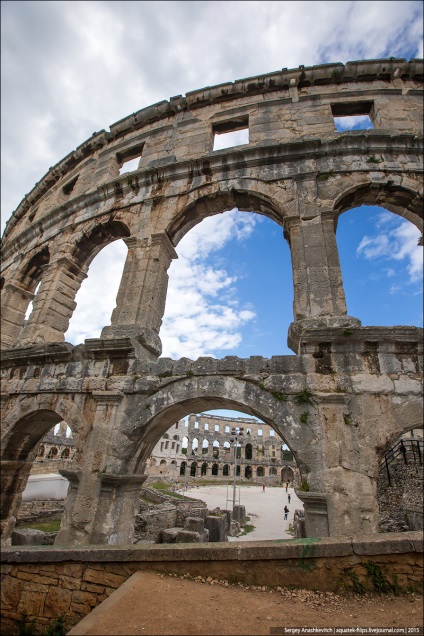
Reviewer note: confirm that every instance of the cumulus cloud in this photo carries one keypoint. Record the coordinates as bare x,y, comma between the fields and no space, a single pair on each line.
72,68
203,314
396,241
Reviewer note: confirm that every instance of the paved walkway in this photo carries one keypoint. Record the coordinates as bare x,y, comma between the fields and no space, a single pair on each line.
265,509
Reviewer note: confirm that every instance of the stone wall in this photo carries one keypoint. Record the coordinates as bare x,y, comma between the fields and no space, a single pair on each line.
38,510
74,581
401,501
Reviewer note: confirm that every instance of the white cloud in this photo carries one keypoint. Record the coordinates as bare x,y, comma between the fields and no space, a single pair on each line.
96,297
203,314
398,243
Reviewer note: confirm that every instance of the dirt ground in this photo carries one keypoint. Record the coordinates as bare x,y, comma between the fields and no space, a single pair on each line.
153,604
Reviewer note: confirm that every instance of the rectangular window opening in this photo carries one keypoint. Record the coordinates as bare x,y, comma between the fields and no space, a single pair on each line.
68,187
259,432
352,116
230,133
129,158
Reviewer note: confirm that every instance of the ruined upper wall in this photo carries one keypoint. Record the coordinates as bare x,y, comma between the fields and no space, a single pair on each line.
279,107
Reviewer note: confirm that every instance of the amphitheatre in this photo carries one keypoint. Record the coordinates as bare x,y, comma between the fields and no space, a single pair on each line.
339,402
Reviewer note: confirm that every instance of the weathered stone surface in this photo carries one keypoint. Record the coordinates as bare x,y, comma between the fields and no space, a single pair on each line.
114,392
217,527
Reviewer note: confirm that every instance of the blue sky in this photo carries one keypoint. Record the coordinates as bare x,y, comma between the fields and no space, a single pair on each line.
70,68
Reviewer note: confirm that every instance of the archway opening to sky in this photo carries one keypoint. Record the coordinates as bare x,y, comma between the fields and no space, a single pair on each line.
230,290
382,267
96,298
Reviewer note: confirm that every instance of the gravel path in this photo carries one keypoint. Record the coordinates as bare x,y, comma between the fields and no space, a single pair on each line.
265,509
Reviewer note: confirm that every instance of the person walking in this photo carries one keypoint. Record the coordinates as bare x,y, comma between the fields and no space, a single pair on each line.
263,487
289,497
286,512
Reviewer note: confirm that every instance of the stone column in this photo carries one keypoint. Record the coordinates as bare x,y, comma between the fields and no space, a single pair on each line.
54,303
142,294
84,498
118,505
319,299
14,477
14,303
343,488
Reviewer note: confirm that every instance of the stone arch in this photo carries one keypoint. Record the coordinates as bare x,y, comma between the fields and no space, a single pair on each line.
31,272
215,469
403,201
248,452
287,474
193,469
183,468
90,244
204,469
208,202
248,472
144,427
225,470
26,425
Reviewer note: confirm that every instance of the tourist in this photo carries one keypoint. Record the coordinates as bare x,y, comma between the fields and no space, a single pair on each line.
289,497
286,512
263,487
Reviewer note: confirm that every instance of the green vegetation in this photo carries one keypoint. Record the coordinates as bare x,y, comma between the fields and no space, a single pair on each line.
164,489
324,176
304,486
348,332
357,586
44,526
379,580
304,397
277,394
373,159
304,417
249,527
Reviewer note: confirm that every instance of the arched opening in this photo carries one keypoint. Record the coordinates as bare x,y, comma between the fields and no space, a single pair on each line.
102,255
287,475
194,445
399,483
223,260
380,258
40,441
215,451
260,471
224,466
248,451
205,447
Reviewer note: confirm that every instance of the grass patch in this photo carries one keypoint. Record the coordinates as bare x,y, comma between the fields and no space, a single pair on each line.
248,528
44,526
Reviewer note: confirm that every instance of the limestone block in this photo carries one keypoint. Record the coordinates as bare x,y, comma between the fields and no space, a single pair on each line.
239,514
169,535
217,526
194,524
185,536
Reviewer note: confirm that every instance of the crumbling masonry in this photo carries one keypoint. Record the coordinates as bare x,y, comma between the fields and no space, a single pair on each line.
348,391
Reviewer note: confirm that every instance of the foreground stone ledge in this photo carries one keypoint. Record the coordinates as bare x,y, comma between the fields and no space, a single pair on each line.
391,543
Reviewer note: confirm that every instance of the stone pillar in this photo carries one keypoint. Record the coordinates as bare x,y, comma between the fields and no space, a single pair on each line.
54,303
14,303
319,299
342,500
142,294
84,498
14,477
317,279
118,505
